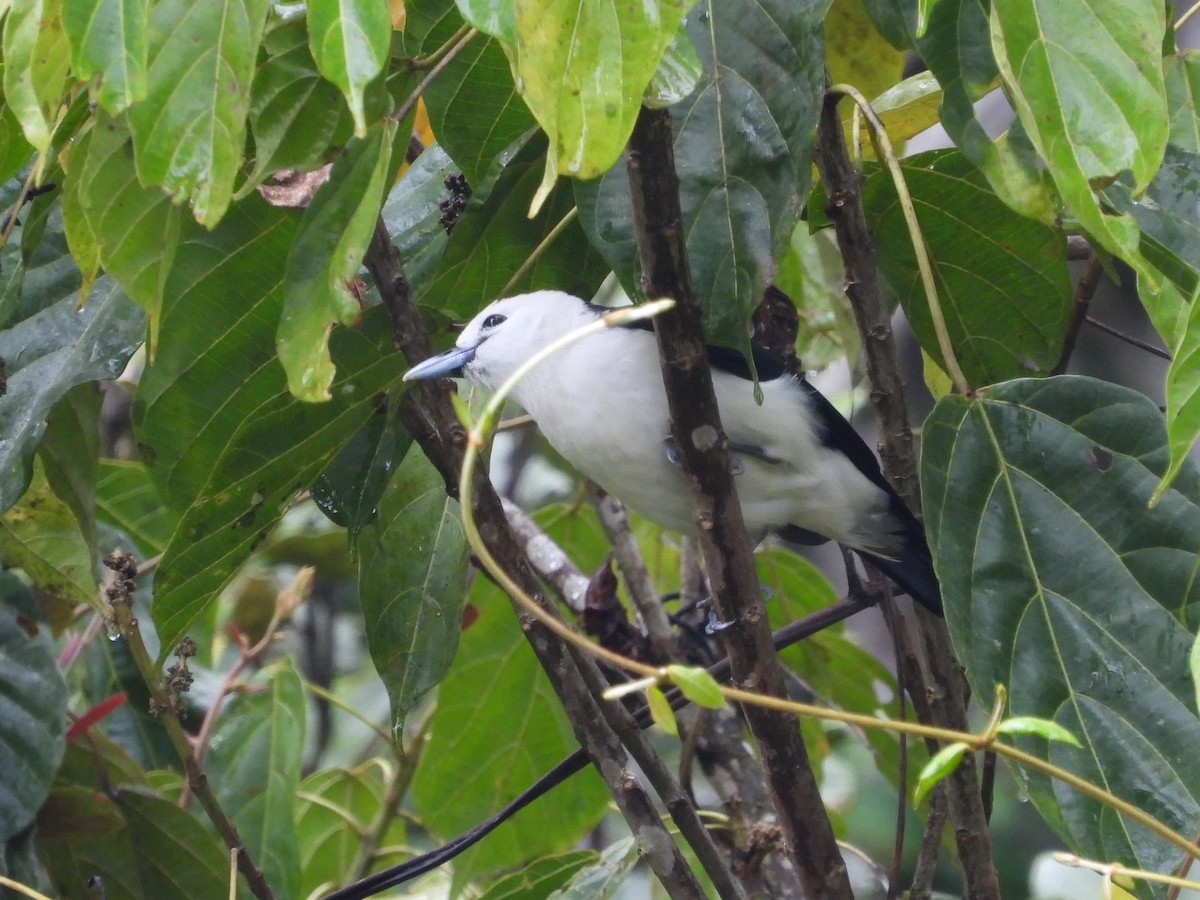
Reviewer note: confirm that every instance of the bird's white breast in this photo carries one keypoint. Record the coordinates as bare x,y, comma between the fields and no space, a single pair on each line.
602,405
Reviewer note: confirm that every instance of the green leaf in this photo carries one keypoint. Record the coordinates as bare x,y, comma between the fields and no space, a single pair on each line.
475,110
497,19
15,151
41,535
660,710
540,878
812,269
136,228
36,60
1061,583
1002,280
327,252
175,854
141,844
678,73
957,48
33,718
1181,74
297,118
337,807
45,356
97,762
413,214
857,53
82,835
108,41
497,728
495,237
349,489
905,109
70,453
1059,61
1194,666
254,764
411,583
1168,217
604,878
190,130
697,685
583,67
126,500
939,766
350,40
1183,392
224,441
763,77
831,663
1043,728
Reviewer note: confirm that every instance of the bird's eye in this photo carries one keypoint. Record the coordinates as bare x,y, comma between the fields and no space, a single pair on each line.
493,320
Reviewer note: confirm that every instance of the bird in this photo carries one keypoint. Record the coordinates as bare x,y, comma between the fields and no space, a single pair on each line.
801,470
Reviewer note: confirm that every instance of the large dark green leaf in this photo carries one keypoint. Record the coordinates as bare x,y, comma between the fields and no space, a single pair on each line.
335,805
742,143
47,354
1181,72
254,763
411,583
70,453
474,107
413,214
1002,280
33,715
138,843
1168,214
496,236
1063,585
225,442
498,726
349,489
126,500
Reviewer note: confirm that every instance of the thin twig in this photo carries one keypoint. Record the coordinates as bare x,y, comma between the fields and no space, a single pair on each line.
537,252
119,593
447,57
615,521
1129,339
1085,289
921,887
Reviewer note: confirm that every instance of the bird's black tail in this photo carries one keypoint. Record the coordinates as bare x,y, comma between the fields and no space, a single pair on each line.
913,571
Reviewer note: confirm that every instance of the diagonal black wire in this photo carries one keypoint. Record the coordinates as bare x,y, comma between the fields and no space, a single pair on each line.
426,862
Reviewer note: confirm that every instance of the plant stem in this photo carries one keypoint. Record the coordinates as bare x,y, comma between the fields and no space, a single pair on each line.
120,596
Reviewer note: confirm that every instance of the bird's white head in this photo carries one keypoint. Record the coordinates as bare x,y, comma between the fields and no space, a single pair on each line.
504,335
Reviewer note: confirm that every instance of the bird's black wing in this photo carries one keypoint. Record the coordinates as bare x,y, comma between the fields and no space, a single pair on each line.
913,570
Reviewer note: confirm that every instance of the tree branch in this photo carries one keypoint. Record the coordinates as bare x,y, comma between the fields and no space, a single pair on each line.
427,413
696,427
944,701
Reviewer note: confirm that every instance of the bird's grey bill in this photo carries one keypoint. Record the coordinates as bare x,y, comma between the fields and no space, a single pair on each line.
444,365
